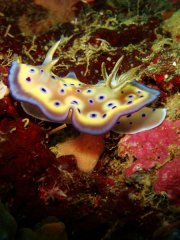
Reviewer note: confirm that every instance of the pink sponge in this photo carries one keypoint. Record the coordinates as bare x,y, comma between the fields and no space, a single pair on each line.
168,180
149,147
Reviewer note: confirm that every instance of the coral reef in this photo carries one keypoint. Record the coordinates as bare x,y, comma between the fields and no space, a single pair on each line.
8,225
50,228
133,191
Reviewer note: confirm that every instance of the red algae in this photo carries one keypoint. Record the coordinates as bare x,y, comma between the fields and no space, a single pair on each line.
22,147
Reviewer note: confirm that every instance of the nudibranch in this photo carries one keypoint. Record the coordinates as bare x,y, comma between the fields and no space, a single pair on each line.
115,103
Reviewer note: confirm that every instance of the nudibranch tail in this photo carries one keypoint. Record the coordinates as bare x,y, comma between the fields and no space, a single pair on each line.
142,120
93,109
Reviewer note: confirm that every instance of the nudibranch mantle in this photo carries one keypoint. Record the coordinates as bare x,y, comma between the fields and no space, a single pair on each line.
116,102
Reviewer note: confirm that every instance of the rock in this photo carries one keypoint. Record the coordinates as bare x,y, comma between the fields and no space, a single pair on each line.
52,231
8,225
